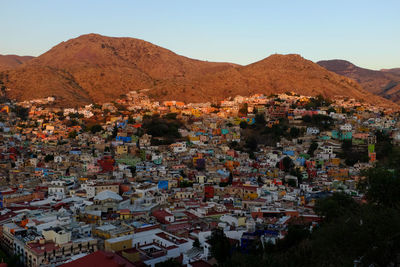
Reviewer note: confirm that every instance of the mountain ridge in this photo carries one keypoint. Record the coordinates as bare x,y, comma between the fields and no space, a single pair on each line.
384,83
95,68
12,61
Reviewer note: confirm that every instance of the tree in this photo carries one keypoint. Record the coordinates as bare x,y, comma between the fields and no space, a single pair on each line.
331,110
96,106
383,187
251,143
347,145
166,128
243,110
72,134
260,120
171,116
335,206
349,230
72,122
294,132
196,243
48,158
312,148
287,163
131,120
220,246
21,112
96,128
230,179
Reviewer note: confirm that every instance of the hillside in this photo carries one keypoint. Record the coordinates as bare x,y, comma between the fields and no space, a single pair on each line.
95,68
274,74
385,83
12,61
394,71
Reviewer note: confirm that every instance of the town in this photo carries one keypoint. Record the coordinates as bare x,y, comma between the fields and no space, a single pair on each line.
136,182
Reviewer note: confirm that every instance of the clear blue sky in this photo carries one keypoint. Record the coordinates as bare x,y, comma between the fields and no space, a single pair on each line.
364,32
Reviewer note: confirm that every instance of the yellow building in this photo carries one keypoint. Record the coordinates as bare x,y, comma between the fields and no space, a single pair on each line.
184,194
242,221
122,150
132,255
57,235
118,244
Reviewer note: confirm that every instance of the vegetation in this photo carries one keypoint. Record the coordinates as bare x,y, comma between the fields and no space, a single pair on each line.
353,154
196,243
367,234
220,246
323,122
184,183
243,110
96,128
72,135
11,261
165,128
243,125
384,147
21,112
294,132
318,101
48,158
312,148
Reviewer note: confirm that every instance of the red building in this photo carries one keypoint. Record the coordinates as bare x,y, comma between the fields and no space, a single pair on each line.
106,164
209,191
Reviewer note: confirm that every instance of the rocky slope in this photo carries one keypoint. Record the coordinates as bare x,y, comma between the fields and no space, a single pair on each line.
384,83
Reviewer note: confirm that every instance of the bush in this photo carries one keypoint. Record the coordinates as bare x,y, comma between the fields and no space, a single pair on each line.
96,128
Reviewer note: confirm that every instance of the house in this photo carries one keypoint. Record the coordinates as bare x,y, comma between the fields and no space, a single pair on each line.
312,130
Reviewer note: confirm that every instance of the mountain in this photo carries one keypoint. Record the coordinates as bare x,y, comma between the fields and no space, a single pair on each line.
394,71
12,61
384,83
274,74
95,68
100,69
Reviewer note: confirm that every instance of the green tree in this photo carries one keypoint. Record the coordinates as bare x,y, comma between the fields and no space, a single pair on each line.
171,116
335,206
196,243
220,246
312,148
383,187
243,125
251,143
287,163
260,119
72,135
96,128
294,132
21,112
48,158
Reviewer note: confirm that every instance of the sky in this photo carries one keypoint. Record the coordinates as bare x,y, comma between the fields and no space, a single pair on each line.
365,32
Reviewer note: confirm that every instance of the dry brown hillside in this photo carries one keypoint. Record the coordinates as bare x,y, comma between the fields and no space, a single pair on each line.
95,68
274,74
8,62
384,83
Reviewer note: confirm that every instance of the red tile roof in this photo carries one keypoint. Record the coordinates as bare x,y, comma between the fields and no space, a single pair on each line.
200,263
100,258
